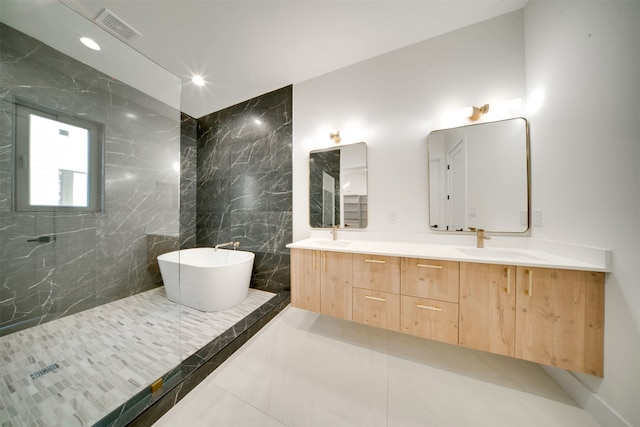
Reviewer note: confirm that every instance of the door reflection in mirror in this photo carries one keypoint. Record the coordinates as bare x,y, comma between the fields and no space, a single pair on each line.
479,177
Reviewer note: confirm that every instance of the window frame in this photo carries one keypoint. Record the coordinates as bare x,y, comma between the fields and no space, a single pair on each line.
21,148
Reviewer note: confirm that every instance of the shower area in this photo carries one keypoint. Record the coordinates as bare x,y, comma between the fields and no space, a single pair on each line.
97,178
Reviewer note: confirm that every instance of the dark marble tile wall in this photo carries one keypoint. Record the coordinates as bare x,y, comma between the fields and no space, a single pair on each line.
244,178
99,257
188,183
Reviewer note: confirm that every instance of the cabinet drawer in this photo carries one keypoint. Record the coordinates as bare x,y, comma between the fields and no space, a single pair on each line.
436,320
430,279
378,273
380,309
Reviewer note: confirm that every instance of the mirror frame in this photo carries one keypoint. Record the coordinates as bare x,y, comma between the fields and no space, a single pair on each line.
527,228
340,202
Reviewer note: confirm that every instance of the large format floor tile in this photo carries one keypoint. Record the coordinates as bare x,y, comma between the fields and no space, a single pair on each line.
304,369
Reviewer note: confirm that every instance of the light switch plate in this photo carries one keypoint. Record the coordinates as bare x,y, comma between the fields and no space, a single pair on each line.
537,218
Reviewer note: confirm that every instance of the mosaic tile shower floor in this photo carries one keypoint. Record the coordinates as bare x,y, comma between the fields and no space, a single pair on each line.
74,370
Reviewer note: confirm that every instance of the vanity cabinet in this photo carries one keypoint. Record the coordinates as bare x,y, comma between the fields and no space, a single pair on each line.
560,318
321,282
488,307
544,315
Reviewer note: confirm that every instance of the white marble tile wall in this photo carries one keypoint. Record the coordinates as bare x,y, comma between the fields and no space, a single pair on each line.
304,369
103,356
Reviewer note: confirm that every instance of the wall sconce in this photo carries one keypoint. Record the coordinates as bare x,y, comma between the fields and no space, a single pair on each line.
335,137
478,112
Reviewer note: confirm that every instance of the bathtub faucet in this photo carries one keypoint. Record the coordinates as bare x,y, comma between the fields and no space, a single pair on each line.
222,245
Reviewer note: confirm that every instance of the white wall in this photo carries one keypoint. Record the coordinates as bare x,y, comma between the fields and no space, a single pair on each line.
585,156
392,102
585,148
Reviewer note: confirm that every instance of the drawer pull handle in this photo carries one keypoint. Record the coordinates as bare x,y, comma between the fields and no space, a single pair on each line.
530,290
314,260
375,261
428,266
508,288
428,307
324,261
375,298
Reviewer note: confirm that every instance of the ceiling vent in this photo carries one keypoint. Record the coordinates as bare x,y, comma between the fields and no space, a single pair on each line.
116,26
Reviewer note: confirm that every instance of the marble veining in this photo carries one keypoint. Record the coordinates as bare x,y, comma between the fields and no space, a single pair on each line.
244,183
188,183
100,257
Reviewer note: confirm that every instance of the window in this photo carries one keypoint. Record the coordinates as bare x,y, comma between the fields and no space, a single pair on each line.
58,161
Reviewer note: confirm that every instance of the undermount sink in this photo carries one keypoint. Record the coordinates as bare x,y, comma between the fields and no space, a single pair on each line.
496,253
333,243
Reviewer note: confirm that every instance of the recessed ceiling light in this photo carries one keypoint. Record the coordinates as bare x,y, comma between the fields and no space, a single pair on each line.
197,80
90,43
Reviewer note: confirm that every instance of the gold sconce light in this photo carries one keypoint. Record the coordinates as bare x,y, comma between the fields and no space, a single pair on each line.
478,112
335,137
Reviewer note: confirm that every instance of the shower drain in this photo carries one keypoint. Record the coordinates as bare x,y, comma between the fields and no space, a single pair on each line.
41,372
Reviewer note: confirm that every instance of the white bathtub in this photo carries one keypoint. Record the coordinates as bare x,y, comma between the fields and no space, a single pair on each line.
206,279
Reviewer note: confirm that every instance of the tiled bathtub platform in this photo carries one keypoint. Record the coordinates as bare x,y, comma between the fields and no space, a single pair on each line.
76,370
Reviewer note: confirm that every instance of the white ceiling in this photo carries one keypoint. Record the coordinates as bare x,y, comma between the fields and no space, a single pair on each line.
247,48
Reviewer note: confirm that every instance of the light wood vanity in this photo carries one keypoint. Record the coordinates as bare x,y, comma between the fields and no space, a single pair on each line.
552,316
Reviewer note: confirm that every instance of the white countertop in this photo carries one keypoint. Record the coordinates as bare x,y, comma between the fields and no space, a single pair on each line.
508,256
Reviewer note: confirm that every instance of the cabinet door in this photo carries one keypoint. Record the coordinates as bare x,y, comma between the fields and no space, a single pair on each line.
335,288
436,320
431,279
378,273
488,307
560,317
374,308
305,279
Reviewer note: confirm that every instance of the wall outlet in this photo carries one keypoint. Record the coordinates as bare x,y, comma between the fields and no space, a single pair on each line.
393,218
537,218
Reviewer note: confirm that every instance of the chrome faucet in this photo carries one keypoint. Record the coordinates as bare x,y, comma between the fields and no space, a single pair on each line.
480,237
222,245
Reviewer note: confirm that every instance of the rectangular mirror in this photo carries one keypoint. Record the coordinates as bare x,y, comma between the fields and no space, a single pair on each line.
338,187
479,177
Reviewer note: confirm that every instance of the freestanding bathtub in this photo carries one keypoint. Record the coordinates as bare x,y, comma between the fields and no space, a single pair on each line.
205,278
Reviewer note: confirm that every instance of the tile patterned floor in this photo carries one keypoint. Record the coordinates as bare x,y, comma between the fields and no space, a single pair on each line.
73,371
304,369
